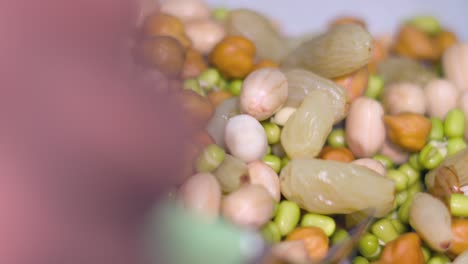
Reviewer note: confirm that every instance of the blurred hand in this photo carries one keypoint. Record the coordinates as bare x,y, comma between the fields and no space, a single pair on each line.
85,146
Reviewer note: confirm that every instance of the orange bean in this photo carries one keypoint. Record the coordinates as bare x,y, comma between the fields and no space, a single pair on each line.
460,236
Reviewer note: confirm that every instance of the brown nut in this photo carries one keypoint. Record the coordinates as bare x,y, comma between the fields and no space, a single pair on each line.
406,249
315,240
460,236
160,24
205,34
194,64
198,108
415,44
163,53
408,131
354,83
234,57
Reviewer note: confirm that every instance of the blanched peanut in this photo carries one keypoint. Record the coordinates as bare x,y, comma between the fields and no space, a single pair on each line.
365,130
371,164
202,194
282,116
251,206
262,174
185,10
455,63
205,34
431,219
246,138
395,153
264,91
441,97
404,97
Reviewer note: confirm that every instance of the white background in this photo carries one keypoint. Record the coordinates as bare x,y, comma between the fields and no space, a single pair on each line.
301,16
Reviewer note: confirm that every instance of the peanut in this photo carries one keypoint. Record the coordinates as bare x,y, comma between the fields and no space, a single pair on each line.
205,34
413,43
165,54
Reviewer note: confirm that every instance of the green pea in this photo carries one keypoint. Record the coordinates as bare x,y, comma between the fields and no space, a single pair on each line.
339,236
459,205
271,232
437,129
400,179
194,85
336,138
287,217
369,246
272,131
220,14
431,156
403,211
439,259
360,260
426,253
401,197
414,162
210,158
209,78
384,230
454,125
399,226
273,161
427,24
375,86
386,161
235,87
413,175
222,83
326,223
268,150
284,162
454,145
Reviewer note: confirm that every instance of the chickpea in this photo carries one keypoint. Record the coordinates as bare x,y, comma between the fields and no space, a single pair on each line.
246,138
160,24
365,129
441,97
163,53
413,43
205,34
404,97
251,206
263,93
234,57
202,194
